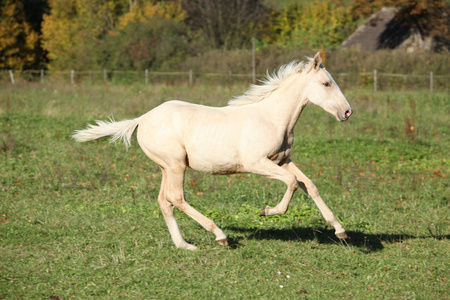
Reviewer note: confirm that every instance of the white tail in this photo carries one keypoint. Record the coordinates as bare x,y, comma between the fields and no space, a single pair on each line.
118,130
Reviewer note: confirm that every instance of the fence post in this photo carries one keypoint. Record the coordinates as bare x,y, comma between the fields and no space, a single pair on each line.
146,76
72,77
191,79
431,82
253,61
375,80
42,75
105,76
11,75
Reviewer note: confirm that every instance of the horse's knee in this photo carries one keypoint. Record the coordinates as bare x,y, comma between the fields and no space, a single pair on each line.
293,183
162,199
176,199
166,206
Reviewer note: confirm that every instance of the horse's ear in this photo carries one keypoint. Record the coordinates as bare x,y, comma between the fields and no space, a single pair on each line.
317,64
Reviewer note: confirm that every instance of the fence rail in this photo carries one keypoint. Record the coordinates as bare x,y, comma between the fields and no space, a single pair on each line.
378,80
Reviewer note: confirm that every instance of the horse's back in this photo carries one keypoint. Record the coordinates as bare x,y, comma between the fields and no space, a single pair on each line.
174,116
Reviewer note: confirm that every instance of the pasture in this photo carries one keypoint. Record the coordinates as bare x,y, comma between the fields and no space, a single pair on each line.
82,220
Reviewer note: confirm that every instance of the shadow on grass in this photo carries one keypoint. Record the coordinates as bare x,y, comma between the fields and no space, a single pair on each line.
367,242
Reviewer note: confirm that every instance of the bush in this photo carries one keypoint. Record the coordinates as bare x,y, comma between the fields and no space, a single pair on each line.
321,23
156,44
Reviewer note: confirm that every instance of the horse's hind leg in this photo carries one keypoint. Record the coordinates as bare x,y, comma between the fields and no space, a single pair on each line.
175,195
172,195
167,211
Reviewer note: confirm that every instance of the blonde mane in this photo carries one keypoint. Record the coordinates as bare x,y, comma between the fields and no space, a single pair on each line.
257,93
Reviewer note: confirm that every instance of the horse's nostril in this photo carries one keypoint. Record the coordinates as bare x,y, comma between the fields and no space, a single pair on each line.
348,113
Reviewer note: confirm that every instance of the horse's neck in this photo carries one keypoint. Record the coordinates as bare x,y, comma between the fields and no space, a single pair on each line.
285,105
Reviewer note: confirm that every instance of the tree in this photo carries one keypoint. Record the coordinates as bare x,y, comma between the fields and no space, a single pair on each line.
19,43
75,30
34,12
144,12
227,24
429,17
155,44
150,35
313,24
112,33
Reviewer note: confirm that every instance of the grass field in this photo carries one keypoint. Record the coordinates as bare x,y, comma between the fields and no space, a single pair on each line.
82,221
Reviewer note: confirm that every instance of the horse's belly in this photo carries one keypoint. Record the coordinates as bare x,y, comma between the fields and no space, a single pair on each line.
213,163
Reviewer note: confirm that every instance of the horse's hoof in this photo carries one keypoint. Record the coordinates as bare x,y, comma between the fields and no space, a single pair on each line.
342,235
223,242
263,213
187,246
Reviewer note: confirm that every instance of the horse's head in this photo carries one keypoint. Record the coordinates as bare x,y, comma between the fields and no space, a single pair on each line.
323,91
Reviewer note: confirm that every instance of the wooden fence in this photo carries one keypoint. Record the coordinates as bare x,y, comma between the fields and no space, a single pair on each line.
378,80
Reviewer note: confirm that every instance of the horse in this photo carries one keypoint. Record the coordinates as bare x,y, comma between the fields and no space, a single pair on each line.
254,133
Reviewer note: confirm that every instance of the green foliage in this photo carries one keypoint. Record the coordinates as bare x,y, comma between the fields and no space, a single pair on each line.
88,35
98,33
227,24
318,24
155,44
75,30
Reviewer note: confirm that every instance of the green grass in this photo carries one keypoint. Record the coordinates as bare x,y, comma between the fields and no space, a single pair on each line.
82,221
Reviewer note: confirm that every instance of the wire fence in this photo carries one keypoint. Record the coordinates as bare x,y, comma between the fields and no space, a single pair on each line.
376,80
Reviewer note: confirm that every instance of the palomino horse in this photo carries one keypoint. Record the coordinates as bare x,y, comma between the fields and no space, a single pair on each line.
253,134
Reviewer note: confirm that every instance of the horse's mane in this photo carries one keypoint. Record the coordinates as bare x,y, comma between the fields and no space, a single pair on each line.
258,93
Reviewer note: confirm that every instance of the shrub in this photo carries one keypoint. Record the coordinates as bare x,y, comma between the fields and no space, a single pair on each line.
156,44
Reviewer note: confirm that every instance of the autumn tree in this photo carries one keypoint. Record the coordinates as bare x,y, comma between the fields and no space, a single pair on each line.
430,17
145,11
34,12
313,24
151,35
227,24
74,30
19,43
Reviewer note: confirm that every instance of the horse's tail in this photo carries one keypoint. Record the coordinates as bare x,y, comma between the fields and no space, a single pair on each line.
118,130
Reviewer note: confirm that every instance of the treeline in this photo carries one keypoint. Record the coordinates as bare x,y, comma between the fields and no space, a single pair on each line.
168,35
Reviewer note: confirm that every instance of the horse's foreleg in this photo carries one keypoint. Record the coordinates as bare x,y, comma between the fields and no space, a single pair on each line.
269,169
308,186
175,195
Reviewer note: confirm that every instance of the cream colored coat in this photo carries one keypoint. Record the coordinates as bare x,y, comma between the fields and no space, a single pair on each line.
253,134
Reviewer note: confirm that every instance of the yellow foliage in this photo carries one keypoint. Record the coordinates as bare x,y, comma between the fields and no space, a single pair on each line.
59,34
144,13
74,29
322,23
18,41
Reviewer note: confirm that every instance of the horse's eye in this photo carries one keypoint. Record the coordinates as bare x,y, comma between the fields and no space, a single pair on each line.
327,84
